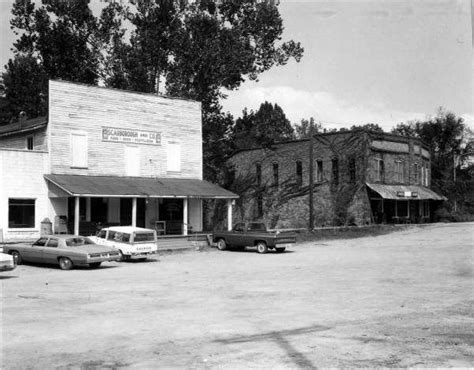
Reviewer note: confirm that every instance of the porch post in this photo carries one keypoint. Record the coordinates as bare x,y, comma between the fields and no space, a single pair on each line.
185,216
76,216
229,214
88,209
134,212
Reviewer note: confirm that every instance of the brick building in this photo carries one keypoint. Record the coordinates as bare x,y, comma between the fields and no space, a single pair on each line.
359,177
104,156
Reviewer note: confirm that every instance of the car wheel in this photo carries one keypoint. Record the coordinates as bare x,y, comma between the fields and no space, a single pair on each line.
221,245
65,263
280,250
16,258
122,257
95,264
262,247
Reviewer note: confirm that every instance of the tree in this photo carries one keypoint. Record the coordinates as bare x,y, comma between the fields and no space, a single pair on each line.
55,40
373,127
302,130
26,85
264,127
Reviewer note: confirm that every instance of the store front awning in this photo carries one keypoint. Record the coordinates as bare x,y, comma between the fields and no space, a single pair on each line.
134,187
401,192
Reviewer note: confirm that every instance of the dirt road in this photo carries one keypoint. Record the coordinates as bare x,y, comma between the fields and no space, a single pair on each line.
397,300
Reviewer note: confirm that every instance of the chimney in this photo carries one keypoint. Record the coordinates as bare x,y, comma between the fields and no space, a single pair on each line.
22,118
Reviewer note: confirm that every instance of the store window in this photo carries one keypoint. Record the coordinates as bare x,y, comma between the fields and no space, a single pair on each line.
79,150
258,173
399,171
173,155
416,173
402,208
30,142
276,174
352,169
299,173
335,171
379,169
21,213
319,171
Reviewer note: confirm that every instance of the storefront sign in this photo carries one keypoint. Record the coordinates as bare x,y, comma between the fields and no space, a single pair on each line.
407,194
131,136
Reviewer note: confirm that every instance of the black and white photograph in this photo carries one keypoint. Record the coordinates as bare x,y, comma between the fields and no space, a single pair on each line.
236,184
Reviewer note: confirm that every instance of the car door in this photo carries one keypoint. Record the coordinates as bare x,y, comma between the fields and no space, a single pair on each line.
235,237
50,251
35,251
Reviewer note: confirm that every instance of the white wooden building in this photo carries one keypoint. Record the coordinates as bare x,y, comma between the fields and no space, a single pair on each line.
104,156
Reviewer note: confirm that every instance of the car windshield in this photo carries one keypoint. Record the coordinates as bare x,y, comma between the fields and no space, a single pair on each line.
78,241
144,237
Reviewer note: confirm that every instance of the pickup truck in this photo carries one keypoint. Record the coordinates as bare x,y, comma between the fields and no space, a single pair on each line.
253,234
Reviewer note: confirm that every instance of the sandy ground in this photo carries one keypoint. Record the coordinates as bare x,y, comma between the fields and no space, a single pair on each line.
398,300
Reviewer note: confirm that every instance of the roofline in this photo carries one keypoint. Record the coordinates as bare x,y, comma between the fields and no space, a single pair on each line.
319,134
42,122
125,91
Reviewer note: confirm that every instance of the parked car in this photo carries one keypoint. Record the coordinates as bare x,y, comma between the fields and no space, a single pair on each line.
66,250
131,242
7,262
253,234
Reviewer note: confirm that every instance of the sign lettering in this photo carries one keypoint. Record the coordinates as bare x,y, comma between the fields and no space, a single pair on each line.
120,135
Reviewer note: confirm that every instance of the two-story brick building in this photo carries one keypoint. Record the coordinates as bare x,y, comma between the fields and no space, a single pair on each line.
359,177
104,156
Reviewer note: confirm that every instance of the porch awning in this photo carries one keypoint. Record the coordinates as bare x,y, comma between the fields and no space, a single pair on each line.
131,187
405,192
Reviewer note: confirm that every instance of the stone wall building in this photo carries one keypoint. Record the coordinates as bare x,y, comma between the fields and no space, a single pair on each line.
359,177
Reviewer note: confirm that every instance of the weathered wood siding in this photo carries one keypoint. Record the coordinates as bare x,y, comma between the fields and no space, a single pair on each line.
18,141
87,109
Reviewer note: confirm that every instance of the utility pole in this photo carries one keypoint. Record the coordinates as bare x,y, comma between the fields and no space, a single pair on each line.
311,177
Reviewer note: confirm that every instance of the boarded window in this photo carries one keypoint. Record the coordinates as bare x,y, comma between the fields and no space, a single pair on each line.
259,205
21,213
79,150
399,171
173,155
132,161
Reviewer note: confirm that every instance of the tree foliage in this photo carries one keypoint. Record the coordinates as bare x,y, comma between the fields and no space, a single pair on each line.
264,127
189,49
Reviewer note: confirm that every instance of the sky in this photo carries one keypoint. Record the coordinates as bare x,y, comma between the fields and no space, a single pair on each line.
365,61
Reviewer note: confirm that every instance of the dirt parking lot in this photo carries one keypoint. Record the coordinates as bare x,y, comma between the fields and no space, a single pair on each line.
398,300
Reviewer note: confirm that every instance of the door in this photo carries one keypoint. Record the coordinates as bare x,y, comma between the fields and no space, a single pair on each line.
50,251
35,252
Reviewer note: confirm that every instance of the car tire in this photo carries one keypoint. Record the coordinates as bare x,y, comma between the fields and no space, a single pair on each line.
221,245
95,264
280,250
262,247
122,257
17,260
65,263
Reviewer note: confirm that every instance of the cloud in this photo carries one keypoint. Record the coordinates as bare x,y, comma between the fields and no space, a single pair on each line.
325,107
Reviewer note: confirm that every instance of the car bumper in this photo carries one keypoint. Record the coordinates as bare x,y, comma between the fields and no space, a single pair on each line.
7,266
103,259
284,245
